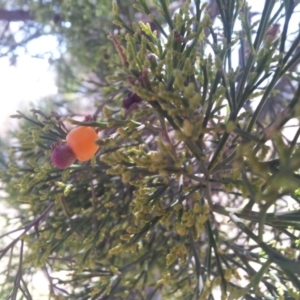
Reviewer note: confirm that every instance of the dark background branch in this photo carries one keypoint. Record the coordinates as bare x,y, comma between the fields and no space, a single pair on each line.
15,15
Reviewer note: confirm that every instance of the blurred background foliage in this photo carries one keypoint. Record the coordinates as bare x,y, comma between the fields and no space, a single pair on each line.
194,193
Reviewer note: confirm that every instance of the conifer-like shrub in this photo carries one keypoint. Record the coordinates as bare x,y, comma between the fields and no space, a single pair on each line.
194,190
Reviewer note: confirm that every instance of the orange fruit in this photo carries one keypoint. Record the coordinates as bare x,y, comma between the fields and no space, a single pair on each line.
82,142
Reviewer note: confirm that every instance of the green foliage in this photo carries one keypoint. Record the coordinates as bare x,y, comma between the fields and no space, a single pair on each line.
191,195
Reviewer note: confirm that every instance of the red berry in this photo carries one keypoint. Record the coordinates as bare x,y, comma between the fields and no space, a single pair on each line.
62,156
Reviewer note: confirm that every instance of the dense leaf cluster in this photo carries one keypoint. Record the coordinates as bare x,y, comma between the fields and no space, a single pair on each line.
193,193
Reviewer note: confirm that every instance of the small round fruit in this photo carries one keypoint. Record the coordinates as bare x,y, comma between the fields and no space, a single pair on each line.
82,141
130,100
62,156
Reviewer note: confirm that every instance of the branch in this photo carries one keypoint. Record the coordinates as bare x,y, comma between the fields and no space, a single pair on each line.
15,15
35,35
26,228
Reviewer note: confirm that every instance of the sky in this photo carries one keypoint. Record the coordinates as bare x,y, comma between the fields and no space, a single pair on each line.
29,81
